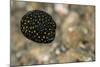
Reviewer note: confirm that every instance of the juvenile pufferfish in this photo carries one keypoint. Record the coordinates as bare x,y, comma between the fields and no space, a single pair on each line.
38,26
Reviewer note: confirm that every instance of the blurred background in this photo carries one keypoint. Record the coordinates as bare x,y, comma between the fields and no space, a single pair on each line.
75,34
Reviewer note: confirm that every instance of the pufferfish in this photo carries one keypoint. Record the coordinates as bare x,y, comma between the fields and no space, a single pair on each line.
38,26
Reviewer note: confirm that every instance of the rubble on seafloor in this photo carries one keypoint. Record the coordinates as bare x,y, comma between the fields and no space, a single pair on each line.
74,41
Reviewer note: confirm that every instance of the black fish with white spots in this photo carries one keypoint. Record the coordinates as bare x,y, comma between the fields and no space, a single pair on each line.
38,26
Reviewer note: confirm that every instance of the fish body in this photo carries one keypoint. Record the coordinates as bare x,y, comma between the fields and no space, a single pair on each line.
38,26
